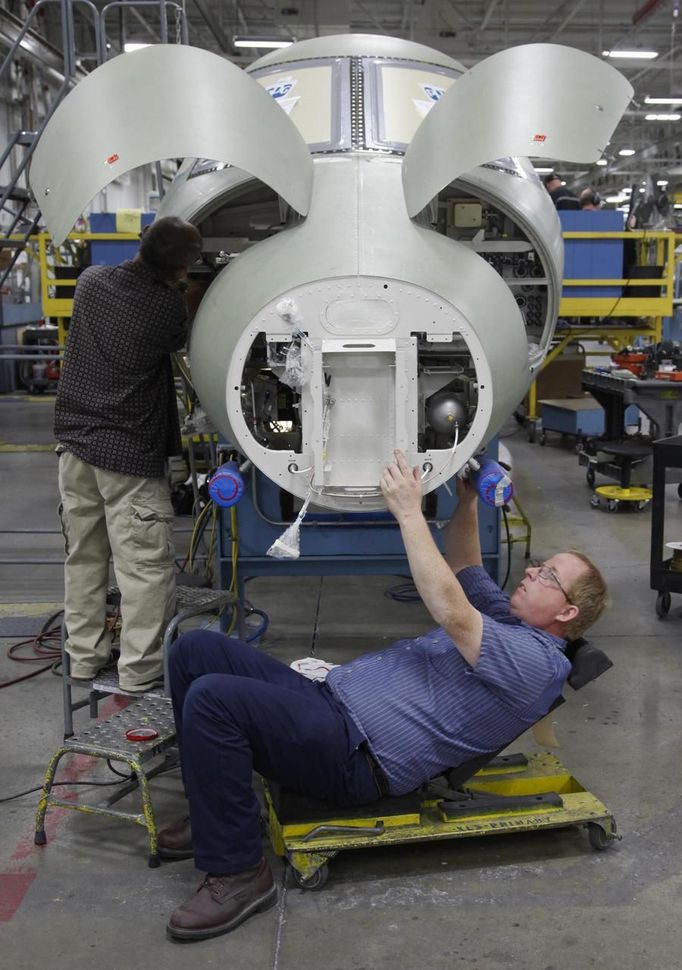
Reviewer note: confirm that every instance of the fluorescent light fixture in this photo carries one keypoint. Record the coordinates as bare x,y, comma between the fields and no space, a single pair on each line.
602,161
614,198
626,151
269,43
542,171
662,182
129,48
635,55
663,116
663,100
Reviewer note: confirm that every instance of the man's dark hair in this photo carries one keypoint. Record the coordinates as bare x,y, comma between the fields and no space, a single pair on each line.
168,245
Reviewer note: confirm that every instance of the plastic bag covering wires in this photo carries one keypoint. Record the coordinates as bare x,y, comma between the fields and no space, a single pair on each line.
288,545
299,360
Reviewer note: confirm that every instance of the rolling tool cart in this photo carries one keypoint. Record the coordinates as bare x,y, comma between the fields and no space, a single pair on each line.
615,454
665,573
489,795
579,418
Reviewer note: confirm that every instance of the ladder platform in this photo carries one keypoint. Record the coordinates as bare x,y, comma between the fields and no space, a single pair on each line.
107,738
106,682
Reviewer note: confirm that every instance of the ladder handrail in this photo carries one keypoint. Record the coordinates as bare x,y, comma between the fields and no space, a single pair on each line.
163,13
70,70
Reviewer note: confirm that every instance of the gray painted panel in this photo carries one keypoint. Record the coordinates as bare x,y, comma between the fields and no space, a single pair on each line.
165,101
356,45
503,106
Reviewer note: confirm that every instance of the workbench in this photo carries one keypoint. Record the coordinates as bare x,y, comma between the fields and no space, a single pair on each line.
661,401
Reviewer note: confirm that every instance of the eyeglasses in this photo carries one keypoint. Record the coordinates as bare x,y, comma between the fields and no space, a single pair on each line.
547,575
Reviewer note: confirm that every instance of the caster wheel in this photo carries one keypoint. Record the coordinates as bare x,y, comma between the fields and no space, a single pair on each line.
594,502
612,505
590,477
662,605
543,439
641,506
313,883
599,838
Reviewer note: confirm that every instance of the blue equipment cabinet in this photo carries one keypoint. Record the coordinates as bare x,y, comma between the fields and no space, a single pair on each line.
111,252
599,259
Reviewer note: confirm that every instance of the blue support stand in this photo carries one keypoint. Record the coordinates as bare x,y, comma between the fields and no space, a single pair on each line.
333,543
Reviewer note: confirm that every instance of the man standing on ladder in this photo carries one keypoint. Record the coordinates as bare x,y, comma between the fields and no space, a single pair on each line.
116,423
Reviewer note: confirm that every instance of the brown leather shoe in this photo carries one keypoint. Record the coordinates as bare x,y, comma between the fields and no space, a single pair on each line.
221,903
175,842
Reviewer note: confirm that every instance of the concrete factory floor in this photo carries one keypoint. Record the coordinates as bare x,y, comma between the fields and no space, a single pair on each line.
538,901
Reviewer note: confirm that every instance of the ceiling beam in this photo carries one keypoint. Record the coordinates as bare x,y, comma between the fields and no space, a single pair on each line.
219,34
487,15
567,19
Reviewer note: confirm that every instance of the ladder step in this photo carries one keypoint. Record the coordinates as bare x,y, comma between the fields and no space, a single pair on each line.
16,193
106,682
107,738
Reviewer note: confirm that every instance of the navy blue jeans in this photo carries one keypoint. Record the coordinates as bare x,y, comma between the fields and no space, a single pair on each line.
238,710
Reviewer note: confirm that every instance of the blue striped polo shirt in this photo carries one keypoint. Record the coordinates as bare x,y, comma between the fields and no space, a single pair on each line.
423,708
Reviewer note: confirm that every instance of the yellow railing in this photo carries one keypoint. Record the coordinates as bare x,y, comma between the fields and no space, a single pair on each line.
626,306
62,306
649,311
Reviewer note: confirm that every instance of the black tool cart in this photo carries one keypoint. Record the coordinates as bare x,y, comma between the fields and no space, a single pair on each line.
666,574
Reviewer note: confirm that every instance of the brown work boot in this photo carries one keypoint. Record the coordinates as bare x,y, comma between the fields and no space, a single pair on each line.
175,842
223,902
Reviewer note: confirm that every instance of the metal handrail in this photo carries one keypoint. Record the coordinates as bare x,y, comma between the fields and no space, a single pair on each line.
163,14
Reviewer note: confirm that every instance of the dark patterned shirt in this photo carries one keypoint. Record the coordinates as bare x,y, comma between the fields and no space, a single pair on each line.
116,405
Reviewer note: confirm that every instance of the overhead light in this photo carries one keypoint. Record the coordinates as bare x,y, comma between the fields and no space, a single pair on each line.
677,205
662,182
648,100
129,48
626,151
635,55
542,171
663,116
269,43
614,198
602,161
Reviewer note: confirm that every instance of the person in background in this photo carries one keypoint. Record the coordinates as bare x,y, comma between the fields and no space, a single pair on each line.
561,196
116,424
590,200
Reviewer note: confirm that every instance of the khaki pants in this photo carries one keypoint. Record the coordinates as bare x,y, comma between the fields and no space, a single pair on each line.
105,512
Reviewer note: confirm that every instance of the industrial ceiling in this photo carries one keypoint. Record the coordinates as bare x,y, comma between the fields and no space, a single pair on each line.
467,30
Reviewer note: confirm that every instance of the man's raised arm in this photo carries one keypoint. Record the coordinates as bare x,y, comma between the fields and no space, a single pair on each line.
462,542
438,587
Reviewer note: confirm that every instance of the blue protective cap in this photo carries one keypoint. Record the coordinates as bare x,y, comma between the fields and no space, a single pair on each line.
226,486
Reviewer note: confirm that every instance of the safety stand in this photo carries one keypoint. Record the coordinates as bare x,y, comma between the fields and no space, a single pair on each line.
107,739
